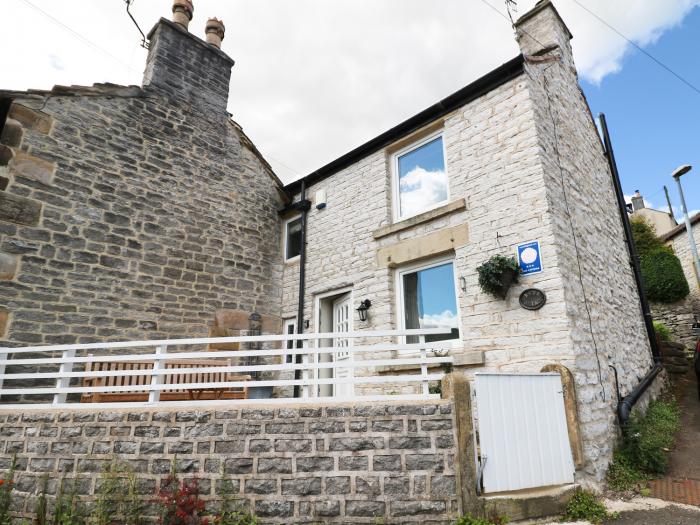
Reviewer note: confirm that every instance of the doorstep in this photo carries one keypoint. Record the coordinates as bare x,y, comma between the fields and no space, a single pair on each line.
530,504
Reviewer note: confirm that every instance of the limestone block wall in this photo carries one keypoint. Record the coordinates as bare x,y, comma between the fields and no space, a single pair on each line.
602,304
492,165
381,462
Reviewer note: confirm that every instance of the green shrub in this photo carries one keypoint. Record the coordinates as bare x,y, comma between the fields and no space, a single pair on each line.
6,487
68,509
623,475
662,330
644,235
648,438
586,506
662,273
231,511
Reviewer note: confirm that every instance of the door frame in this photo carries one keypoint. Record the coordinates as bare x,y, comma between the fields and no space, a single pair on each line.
325,295
317,311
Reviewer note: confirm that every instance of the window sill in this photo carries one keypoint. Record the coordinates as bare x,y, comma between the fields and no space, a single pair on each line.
460,360
446,209
293,260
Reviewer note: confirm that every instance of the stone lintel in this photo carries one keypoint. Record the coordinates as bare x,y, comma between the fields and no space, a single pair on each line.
422,247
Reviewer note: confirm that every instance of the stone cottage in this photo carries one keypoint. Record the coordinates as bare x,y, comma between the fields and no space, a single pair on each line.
145,212
404,220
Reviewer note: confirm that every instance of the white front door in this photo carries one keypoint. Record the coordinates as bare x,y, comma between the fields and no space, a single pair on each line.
342,322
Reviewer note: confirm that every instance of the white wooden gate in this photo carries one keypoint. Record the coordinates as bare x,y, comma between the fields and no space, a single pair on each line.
522,431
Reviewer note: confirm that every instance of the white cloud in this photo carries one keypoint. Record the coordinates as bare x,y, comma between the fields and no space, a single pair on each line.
56,62
446,318
314,78
420,189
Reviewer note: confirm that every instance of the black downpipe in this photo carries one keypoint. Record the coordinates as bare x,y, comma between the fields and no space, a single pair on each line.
304,206
625,405
5,104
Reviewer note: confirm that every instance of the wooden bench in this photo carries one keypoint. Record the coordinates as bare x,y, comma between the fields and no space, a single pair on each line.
186,393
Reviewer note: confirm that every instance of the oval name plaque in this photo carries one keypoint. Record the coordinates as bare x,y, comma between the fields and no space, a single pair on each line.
532,299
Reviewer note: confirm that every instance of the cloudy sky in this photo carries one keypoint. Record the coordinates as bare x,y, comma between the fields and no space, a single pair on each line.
315,78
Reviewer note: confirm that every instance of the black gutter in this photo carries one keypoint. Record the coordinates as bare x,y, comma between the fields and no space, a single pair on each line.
303,205
508,71
625,405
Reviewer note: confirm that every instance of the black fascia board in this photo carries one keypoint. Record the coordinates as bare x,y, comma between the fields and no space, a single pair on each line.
499,76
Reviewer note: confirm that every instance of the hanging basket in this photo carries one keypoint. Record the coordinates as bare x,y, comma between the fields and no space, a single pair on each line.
498,274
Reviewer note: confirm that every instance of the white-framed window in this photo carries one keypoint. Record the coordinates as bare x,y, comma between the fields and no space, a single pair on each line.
427,298
292,238
419,176
290,327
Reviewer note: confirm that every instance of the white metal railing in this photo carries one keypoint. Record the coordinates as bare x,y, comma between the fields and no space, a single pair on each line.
68,371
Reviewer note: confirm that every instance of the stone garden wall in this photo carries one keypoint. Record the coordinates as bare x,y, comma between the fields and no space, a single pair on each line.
678,318
388,463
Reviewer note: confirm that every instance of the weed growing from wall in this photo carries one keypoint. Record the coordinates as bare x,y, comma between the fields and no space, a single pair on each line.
647,441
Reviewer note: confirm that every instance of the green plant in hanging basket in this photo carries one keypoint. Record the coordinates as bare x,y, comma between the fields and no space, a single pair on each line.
498,274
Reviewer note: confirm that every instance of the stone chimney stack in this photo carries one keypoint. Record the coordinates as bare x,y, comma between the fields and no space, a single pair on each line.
215,32
542,31
191,73
637,201
182,12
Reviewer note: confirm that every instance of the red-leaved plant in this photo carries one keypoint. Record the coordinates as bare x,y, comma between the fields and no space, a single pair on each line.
180,503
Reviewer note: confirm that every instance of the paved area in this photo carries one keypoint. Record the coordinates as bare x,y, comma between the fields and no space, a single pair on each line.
682,484
669,516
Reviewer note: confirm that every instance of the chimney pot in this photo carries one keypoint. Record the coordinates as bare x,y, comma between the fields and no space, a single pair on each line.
182,12
215,32
637,201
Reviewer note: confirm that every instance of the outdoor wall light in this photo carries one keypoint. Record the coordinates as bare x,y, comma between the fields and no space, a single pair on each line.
463,283
362,309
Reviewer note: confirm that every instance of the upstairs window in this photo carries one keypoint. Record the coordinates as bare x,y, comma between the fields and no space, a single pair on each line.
292,239
420,178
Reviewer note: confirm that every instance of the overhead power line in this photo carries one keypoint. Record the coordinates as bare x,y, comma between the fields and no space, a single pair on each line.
652,57
78,35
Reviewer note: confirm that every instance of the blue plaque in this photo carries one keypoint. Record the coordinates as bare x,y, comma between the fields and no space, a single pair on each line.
529,257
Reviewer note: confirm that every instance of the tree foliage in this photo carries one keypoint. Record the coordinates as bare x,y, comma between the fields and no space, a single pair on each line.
662,273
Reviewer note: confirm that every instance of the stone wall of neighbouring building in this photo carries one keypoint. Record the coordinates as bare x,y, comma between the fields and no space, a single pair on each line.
680,316
134,212
380,462
680,243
